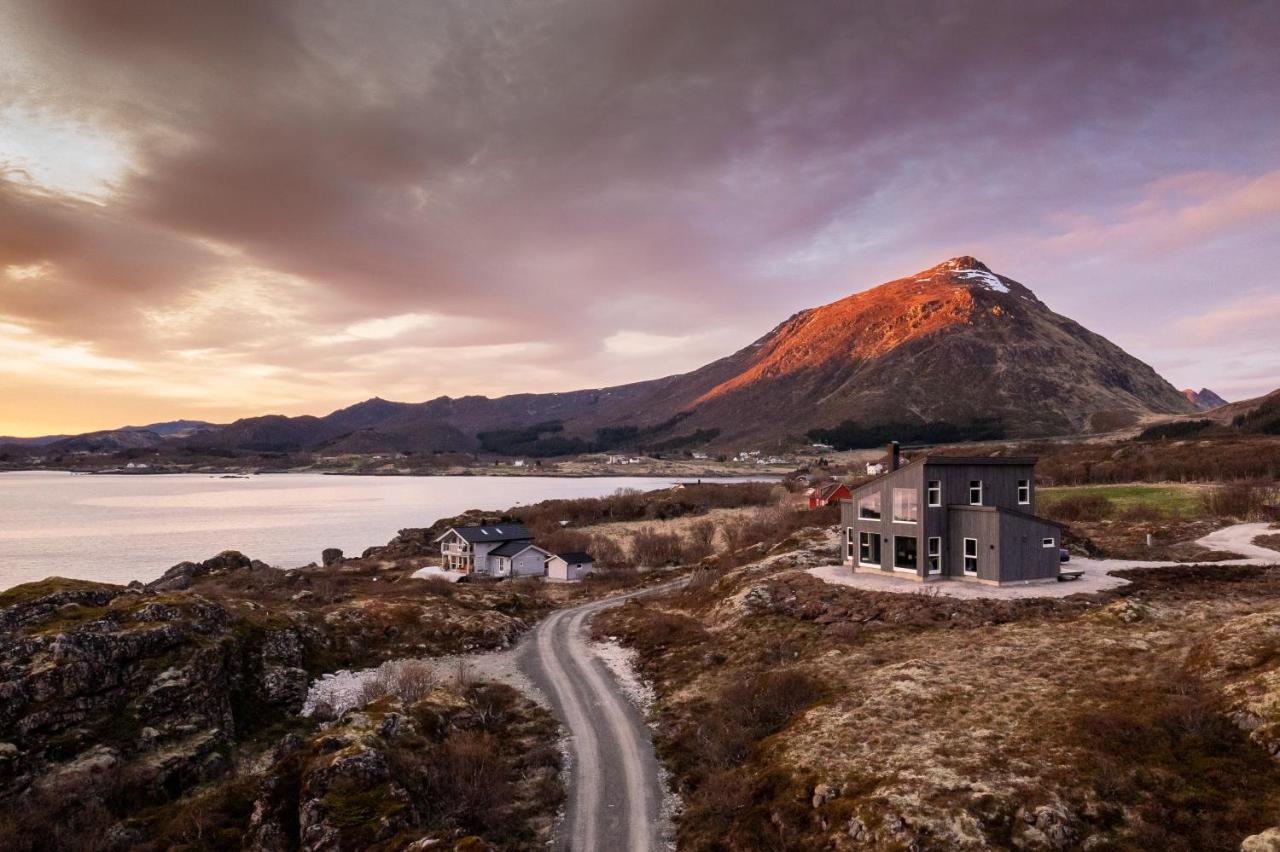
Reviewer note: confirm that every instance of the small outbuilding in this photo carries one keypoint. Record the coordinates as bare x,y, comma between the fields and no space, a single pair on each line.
568,567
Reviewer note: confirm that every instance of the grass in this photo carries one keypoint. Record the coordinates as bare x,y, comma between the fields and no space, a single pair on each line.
1166,499
29,592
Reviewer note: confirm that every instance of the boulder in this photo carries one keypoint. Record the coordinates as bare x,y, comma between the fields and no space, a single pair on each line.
822,794
331,556
1267,841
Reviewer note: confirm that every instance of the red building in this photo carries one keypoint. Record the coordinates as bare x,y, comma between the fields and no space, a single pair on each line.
828,495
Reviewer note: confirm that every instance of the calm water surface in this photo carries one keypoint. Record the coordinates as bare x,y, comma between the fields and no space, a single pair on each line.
121,528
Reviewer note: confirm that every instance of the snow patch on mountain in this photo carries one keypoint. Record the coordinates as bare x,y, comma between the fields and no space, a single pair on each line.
986,279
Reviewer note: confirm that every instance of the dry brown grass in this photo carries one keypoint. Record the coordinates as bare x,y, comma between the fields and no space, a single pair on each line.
946,723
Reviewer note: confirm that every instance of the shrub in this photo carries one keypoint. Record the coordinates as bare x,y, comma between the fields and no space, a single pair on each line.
1084,507
408,680
1176,429
652,547
1164,748
1241,500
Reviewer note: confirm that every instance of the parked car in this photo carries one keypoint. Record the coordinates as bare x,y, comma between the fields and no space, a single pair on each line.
1064,555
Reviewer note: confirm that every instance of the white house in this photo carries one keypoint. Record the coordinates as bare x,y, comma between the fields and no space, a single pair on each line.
471,549
505,550
567,567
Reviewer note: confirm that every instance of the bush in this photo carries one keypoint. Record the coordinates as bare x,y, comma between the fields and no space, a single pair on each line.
1164,748
409,680
854,436
653,548
1241,500
1176,429
1083,507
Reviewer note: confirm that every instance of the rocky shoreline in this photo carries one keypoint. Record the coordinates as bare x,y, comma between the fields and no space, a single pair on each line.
140,716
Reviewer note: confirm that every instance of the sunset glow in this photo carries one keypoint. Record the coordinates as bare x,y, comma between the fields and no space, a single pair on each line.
215,210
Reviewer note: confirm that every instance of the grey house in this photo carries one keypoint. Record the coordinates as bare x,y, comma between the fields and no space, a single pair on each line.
500,550
951,518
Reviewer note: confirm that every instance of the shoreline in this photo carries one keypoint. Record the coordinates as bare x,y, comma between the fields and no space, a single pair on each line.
705,474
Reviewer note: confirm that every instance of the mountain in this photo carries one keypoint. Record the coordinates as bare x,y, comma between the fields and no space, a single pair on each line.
38,441
954,344
1204,399
1260,414
172,428
124,438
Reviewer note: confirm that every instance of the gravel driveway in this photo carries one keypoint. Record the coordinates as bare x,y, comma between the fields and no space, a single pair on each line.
1234,539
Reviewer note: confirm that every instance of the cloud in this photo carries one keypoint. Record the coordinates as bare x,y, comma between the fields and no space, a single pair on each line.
303,191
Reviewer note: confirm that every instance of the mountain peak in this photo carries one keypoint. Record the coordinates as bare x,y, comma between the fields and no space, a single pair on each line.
968,270
964,262
1204,399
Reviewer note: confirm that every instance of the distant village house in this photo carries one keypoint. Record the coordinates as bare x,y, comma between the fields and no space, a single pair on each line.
828,495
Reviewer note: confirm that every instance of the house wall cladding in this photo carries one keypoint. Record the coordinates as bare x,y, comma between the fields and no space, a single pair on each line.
1010,547
1026,557
886,527
529,564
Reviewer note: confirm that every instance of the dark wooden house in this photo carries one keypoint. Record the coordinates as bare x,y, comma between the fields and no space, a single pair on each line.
951,518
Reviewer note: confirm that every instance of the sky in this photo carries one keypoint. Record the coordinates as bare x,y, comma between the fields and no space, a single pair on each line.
216,210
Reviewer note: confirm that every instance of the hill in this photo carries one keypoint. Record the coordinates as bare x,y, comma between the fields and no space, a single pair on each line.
1204,399
955,348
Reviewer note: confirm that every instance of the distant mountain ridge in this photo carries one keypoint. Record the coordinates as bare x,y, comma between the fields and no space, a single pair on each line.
1204,399
126,437
954,344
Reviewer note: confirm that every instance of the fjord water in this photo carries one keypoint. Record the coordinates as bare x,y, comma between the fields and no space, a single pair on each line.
130,527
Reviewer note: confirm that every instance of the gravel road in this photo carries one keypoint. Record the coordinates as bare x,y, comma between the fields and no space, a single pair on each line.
615,791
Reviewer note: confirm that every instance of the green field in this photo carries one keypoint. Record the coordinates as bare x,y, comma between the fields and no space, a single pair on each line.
1168,499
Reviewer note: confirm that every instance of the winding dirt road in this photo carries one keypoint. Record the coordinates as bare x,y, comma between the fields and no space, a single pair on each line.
615,791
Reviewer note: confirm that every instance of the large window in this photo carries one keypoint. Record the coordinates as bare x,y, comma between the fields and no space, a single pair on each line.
906,505
1024,492
904,552
869,507
869,548
971,556
935,493
935,555
975,492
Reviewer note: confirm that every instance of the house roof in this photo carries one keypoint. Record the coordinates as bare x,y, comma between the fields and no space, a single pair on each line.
829,491
979,461
1005,510
514,548
1020,461
576,556
497,532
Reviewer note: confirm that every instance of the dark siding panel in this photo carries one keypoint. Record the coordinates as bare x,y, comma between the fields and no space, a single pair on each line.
1025,556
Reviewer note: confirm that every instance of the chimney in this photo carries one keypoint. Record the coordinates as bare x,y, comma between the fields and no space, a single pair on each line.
894,457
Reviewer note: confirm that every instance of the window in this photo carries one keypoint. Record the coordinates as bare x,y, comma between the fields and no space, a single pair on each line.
869,507
975,492
1048,542
1024,492
971,556
869,548
935,555
906,505
935,493
850,543
904,552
